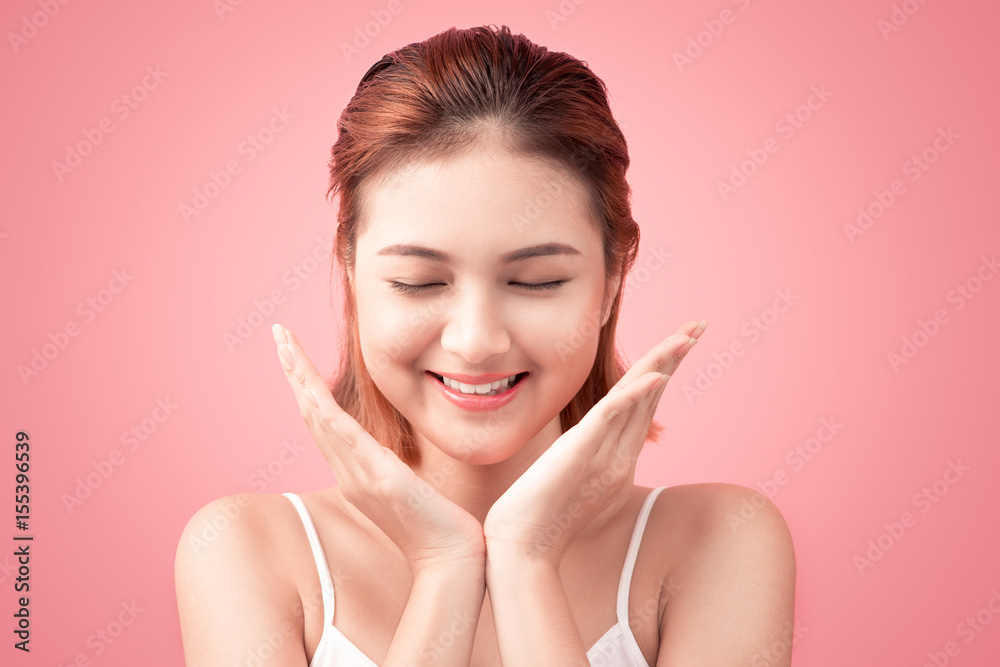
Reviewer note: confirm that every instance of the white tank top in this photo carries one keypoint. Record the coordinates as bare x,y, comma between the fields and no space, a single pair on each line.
616,648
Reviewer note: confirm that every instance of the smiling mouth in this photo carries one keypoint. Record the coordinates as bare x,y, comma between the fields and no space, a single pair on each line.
470,391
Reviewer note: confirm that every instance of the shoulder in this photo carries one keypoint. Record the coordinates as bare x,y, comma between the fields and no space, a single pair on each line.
721,513
707,523
731,564
239,524
234,580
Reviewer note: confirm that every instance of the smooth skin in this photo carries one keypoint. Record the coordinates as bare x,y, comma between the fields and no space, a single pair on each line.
235,594
507,551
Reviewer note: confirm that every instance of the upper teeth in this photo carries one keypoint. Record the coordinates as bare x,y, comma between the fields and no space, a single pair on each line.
477,388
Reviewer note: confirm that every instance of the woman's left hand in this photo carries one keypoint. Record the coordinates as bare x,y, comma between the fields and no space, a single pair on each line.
590,466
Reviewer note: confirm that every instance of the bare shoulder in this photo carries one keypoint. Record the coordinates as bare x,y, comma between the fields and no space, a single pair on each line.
730,560
233,582
248,527
723,514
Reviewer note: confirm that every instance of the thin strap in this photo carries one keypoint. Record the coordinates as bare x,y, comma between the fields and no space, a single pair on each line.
325,581
633,550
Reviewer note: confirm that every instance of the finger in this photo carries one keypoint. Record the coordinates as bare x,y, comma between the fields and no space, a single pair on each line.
342,441
634,433
308,380
308,403
677,343
609,416
666,356
618,451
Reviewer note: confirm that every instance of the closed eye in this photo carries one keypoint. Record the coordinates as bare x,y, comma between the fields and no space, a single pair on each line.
540,286
406,288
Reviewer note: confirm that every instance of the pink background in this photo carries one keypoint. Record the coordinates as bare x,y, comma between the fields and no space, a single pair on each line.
160,335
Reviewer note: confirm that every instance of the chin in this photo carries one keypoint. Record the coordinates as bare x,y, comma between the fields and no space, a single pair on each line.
473,446
490,442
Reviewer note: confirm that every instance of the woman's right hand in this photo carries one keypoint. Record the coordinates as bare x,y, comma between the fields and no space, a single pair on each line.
434,535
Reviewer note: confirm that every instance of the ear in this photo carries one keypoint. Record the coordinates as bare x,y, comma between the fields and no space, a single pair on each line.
609,298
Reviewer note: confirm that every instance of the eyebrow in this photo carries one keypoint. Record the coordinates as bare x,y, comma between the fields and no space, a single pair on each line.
541,250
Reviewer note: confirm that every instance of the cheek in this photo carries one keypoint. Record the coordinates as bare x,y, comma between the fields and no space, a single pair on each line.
380,331
576,326
575,341
567,343
392,331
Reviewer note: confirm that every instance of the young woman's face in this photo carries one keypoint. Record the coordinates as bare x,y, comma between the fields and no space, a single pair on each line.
487,265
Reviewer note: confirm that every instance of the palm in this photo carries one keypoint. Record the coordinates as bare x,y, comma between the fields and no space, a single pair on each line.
428,528
590,466
525,513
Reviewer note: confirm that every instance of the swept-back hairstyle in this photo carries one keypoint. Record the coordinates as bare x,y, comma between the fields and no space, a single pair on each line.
431,99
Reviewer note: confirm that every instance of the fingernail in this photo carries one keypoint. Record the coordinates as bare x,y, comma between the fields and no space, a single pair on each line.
662,380
703,324
286,359
659,392
686,347
279,333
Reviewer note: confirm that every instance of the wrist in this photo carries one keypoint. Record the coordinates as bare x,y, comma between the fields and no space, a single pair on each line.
464,567
516,574
517,556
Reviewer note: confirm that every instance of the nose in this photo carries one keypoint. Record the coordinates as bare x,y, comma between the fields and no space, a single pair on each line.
474,327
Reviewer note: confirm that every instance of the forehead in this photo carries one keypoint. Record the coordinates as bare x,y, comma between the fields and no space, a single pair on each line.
480,204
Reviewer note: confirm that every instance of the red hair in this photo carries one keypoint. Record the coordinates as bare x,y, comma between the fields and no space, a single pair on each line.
431,99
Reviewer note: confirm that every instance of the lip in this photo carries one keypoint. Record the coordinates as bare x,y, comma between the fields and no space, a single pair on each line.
474,402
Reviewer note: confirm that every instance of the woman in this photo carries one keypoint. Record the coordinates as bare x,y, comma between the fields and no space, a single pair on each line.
482,429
